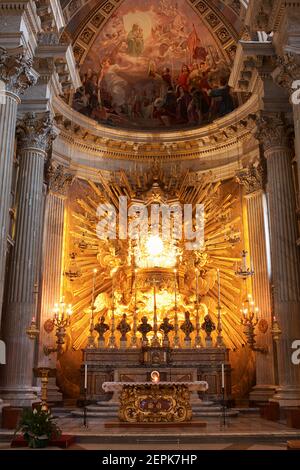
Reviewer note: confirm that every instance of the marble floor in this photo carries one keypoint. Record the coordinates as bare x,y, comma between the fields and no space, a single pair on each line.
246,432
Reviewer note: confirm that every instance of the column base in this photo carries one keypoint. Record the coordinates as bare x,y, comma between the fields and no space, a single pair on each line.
287,396
20,396
262,393
3,404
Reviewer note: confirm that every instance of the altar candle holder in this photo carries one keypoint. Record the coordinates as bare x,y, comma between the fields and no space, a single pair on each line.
91,338
134,338
219,340
176,326
112,338
155,341
198,342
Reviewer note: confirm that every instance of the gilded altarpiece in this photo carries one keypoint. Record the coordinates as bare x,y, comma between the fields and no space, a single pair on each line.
130,285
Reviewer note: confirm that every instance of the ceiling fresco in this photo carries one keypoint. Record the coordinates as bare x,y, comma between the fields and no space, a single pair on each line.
156,65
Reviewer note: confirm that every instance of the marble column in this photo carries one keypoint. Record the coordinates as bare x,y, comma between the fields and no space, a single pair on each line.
16,75
278,151
35,134
253,179
58,183
287,76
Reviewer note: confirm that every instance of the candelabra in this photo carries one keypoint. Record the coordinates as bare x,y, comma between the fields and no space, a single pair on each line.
91,338
155,341
198,342
134,323
112,338
61,320
244,272
219,340
176,326
250,320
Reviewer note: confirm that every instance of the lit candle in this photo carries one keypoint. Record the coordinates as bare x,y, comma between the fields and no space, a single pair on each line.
85,376
223,376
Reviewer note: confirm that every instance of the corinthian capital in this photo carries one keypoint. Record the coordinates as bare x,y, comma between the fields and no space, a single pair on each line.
252,178
272,131
59,180
36,130
16,71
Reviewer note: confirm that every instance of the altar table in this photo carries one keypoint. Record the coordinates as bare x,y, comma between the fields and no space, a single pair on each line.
149,402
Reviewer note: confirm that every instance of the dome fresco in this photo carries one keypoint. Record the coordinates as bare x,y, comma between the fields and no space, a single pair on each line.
155,65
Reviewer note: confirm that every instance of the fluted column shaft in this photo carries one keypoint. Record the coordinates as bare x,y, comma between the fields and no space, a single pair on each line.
284,253
17,377
52,261
8,116
15,77
258,231
52,264
297,148
252,178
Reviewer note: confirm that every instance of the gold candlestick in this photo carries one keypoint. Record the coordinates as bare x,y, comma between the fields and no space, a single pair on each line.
176,326
91,338
155,341
134,325
198,342
112,338
219,340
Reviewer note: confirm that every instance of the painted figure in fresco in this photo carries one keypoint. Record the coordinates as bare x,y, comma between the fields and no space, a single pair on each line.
183,78
166,72
225,104
135,41
183,101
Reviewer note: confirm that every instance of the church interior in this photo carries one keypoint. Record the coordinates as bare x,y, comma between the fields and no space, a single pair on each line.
150,223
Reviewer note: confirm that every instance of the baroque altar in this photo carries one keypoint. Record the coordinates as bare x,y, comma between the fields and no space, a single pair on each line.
174,365
155,402
156,299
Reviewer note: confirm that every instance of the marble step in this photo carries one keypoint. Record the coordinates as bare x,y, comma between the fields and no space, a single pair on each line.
105,415
213,414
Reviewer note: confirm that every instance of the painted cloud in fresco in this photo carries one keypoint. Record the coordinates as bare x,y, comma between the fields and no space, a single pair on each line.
154,65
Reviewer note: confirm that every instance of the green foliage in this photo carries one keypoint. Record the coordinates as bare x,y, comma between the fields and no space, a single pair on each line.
37,425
